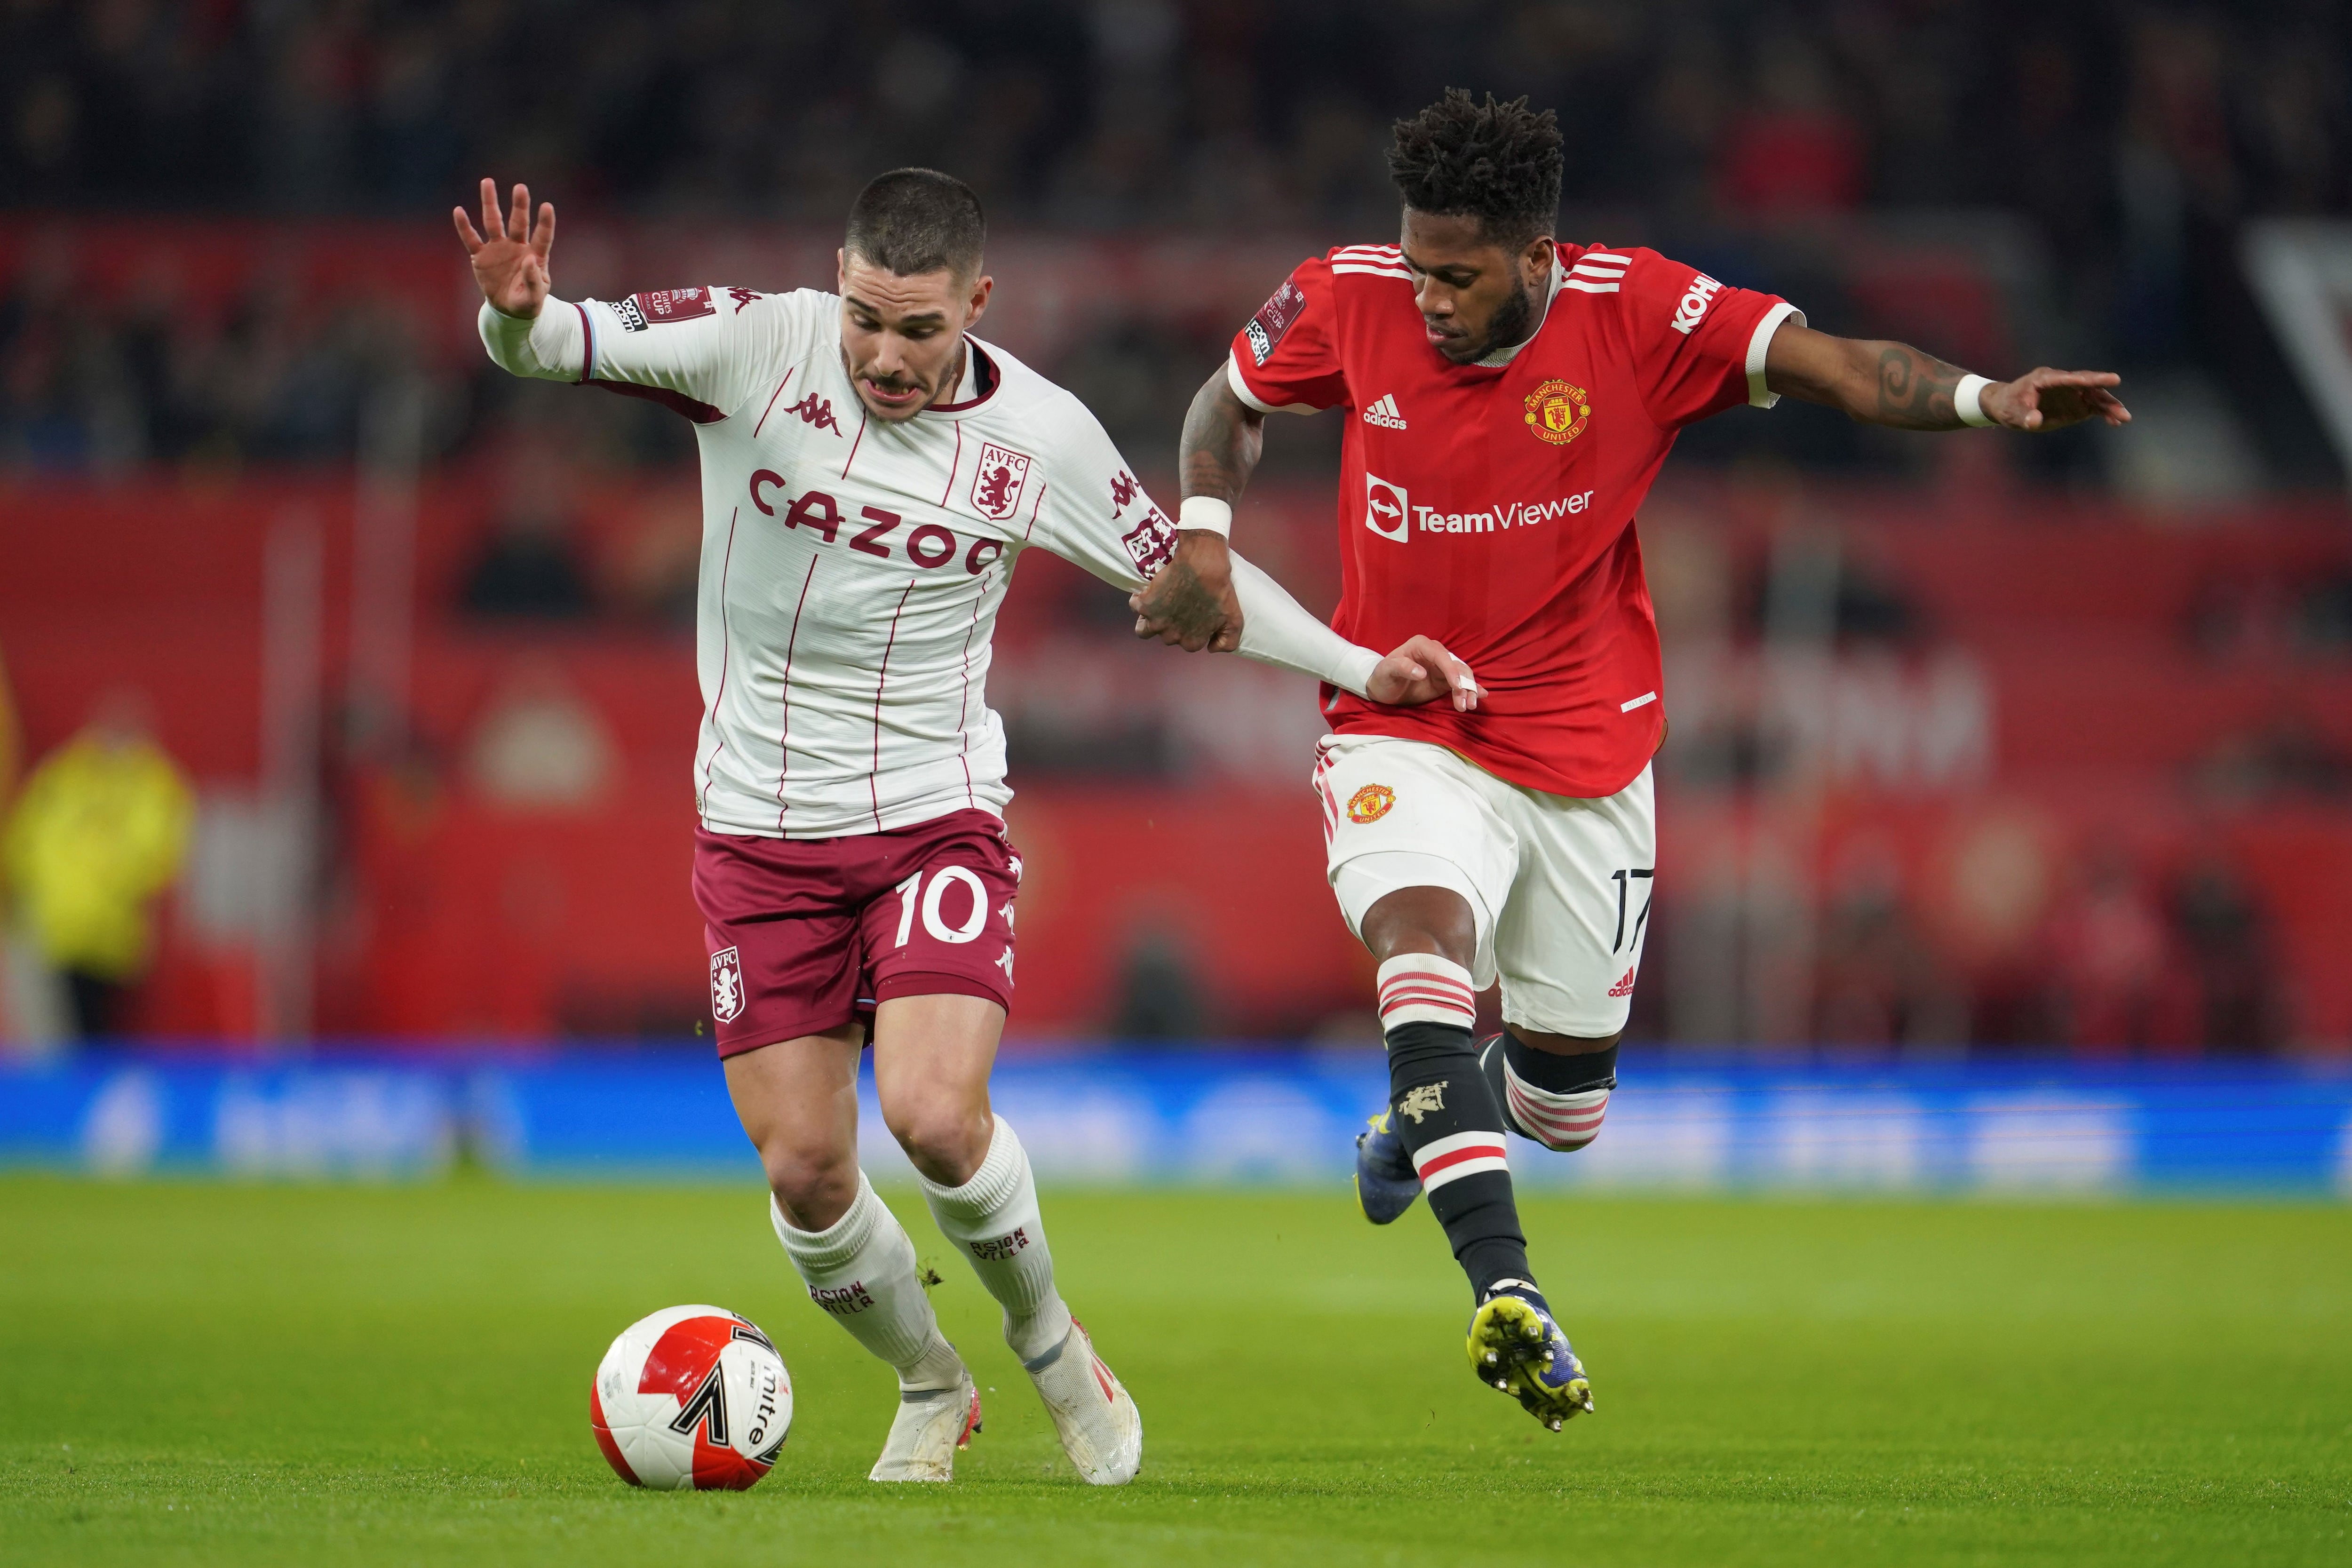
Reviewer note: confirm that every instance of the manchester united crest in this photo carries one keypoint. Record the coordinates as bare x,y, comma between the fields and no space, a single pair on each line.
1370,803
1558,410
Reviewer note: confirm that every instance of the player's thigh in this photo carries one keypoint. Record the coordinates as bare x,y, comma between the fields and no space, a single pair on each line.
1568,944
932,1056
1402,814
797,1100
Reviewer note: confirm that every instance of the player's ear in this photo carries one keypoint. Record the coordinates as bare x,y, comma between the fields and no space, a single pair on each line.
841,272
981,289
1536,261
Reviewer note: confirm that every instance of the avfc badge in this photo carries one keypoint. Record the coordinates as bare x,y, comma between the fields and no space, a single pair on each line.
726,985
997,484
1557,411
1370,803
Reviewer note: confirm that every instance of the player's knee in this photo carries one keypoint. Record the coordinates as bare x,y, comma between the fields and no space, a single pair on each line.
815,1187
943,1135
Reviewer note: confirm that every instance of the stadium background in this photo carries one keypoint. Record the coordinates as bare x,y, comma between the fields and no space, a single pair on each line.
1979,745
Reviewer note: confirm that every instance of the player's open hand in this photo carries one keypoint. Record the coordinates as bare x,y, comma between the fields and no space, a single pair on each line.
2048,399
1190,604
510,253
1422,671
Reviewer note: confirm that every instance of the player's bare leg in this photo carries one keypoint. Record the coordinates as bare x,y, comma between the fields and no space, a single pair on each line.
1446,1119
798,1102
931,1060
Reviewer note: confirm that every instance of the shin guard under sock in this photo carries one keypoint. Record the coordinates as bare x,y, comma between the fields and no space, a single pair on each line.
1447,1118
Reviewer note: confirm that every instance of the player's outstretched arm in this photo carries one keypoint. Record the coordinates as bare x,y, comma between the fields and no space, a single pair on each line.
510,253
1895,384
1191,604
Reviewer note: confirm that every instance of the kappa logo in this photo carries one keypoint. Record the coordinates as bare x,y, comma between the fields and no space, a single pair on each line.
1370,803
1702,293
1624,987
817,411
996,488
1384,414
1005,961
1123,490
1558,412
1420,1100
742,297
1387,512
726,985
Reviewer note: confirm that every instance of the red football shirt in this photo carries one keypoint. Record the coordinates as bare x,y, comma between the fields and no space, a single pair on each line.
1491,506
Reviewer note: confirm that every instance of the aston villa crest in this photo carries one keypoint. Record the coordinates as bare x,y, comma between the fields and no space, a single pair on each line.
726,985
996,488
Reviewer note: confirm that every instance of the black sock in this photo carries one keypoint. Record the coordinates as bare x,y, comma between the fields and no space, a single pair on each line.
1438,1095
1546,1072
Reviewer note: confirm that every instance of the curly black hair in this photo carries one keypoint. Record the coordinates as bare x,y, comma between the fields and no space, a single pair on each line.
1499,162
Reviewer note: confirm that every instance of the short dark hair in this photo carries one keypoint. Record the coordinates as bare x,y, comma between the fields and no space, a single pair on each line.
1498,163
912,221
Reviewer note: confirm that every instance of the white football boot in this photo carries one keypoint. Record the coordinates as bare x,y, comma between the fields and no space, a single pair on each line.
931,1424
1095,1416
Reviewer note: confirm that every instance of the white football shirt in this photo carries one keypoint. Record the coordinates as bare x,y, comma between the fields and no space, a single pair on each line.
852,568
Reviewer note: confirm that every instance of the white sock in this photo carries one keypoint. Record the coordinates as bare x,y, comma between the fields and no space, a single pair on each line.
861,1270
993,1220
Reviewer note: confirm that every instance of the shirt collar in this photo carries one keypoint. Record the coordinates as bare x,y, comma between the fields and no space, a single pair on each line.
1505,356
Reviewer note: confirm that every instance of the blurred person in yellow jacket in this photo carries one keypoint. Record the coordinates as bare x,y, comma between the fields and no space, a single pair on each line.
101,827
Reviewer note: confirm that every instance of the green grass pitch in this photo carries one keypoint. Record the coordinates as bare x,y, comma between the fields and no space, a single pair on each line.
261,1374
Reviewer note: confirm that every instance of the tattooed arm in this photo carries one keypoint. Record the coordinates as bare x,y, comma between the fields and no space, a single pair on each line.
1896,386
1191,604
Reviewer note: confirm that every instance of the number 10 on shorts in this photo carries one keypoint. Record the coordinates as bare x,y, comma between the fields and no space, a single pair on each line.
925,890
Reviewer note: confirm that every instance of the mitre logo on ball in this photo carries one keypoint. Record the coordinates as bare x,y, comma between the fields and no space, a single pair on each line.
1557,411
691,1398
996,488
726,985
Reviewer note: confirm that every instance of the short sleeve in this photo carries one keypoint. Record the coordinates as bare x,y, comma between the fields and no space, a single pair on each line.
714,346
1698,345
1094,513
1286,358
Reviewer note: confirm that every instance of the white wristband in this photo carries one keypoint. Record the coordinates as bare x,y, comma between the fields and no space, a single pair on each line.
1206,513
1965,404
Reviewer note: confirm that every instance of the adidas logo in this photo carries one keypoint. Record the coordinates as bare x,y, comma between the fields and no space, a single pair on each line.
1624,987
1385,413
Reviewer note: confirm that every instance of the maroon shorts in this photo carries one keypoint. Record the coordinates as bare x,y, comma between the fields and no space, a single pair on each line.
806,934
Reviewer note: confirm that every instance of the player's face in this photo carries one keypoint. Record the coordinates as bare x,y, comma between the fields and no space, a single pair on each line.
1474,296
904,336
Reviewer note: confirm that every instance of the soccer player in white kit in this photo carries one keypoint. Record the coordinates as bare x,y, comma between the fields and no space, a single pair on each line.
871,473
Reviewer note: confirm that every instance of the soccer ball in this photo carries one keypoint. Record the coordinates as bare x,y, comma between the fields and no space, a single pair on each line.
691,1398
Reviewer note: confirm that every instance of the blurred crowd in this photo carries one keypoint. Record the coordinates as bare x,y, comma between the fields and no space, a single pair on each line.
2133,139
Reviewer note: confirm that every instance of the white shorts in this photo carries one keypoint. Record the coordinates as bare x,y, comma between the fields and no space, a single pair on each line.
1559,887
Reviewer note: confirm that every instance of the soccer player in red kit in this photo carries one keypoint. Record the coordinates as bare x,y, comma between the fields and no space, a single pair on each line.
1510,400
